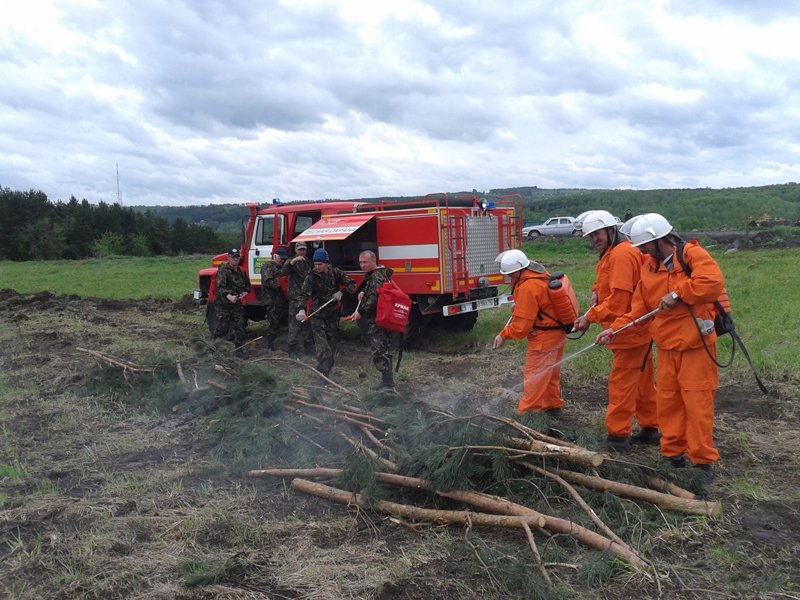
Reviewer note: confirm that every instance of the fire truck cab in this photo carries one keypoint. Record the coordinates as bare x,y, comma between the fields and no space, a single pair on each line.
441,248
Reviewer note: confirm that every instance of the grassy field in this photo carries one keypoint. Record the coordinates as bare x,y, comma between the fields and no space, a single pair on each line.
121,483
763,288
118,278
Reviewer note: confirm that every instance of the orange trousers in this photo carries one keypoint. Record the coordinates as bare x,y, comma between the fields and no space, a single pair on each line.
542,386
631,391
687,382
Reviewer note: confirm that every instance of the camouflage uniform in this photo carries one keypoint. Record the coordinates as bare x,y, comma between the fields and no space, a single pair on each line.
231,323
300,335
275,303
320,287
380,340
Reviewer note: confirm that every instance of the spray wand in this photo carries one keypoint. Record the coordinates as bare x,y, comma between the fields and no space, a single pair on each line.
636,321
316,311
350,318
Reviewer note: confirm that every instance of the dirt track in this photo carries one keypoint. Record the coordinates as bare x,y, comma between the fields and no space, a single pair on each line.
117,501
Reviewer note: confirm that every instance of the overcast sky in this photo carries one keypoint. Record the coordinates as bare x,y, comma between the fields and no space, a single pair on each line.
245,100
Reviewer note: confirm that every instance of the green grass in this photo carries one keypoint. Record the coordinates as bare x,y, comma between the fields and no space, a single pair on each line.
763,287
12,473
118,278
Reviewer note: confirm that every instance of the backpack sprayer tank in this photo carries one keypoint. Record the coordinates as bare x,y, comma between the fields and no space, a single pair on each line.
563,298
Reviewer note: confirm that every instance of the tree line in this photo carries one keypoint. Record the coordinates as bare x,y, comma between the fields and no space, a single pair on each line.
686,209
34,228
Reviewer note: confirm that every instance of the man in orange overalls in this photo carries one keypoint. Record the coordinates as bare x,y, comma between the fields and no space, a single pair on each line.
686,381
630,383
546,338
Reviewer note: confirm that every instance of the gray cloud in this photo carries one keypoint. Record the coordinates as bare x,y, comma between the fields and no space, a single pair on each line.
229,102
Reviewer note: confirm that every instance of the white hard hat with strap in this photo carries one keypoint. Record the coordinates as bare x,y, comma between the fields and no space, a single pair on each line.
648,228
597,219
512,261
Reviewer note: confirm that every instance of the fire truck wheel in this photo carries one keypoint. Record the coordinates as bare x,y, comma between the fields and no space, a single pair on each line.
211,318
416,324
462,322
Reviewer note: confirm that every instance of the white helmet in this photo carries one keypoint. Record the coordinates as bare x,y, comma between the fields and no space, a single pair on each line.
578,223
625,228
512,261
648,228
597,219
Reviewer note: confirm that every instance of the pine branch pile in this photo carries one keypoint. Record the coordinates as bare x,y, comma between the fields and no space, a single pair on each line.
420,465
478,471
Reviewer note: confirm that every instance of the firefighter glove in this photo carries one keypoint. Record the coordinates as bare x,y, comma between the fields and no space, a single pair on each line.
604,337
338,296
301,316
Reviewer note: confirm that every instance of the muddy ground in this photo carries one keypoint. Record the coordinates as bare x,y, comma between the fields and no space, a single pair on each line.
103,497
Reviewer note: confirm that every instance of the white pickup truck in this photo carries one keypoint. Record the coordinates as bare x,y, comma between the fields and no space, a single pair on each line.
554,226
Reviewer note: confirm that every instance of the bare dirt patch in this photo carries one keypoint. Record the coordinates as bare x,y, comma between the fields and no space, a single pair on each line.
103,498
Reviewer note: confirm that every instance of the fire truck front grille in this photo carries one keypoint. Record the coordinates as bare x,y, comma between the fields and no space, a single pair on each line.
483,240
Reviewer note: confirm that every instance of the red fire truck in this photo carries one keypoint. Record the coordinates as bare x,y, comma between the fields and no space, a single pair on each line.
441,248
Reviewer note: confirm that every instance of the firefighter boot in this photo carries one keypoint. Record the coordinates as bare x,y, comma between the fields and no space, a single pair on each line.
648,435
554,413
678,462
706,473
618,443
387,382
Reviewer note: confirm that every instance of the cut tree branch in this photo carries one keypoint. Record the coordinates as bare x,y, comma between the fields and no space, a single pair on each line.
668,501
114,362
567,453
581,502
299,362
480,500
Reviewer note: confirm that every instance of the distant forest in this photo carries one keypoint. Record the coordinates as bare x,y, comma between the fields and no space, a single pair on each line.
686,209
702,209
35,228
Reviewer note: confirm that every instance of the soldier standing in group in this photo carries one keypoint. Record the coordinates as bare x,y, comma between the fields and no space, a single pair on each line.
233,285
630,383
296,270
684,288
272,295
324,286
380,339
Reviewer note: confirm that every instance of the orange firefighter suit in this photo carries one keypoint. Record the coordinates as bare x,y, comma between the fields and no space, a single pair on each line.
546,342
686,379
630,383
